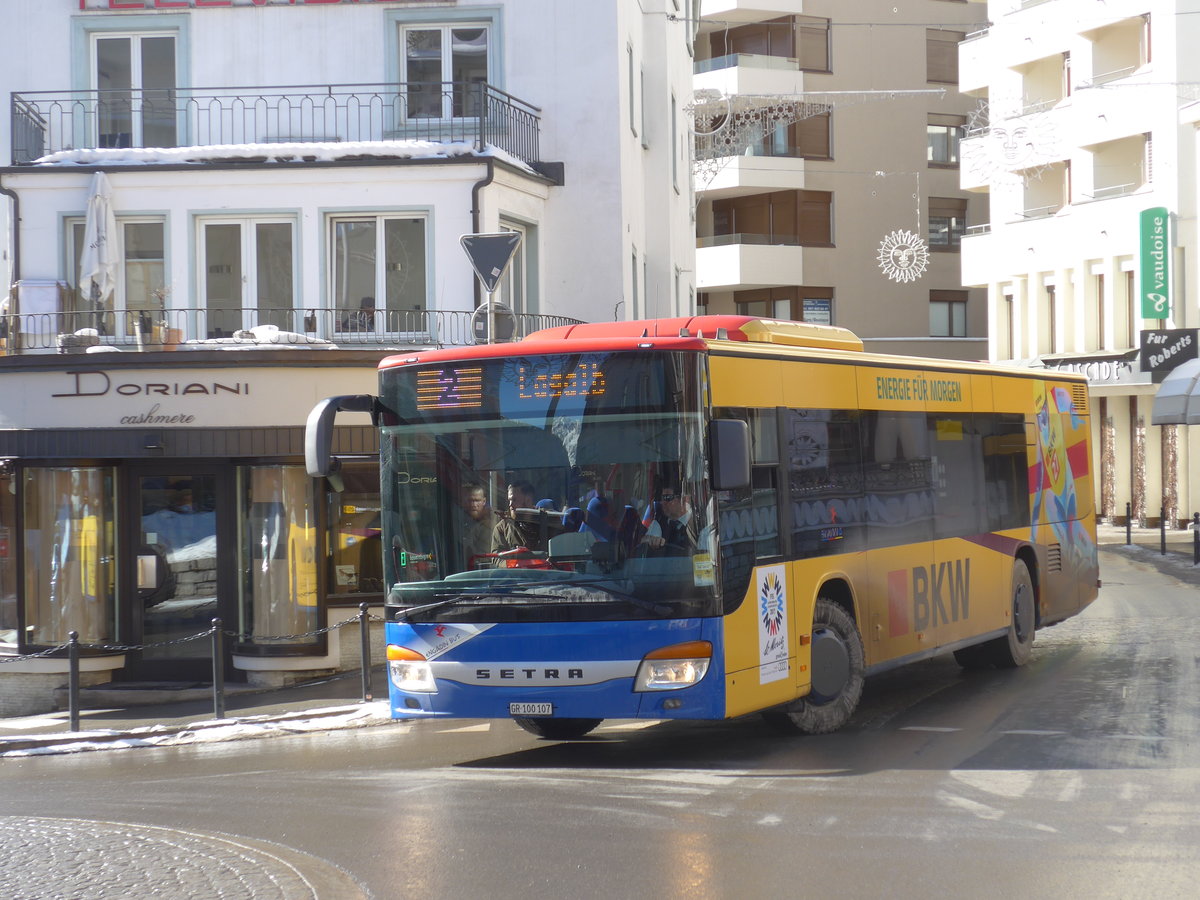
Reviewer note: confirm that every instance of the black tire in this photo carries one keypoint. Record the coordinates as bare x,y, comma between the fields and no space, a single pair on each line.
1015,648
557,729
838,662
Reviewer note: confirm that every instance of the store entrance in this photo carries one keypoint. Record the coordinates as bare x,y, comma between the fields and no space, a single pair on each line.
176,540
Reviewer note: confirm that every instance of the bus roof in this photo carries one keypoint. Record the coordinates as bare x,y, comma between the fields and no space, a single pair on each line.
699,333
680,333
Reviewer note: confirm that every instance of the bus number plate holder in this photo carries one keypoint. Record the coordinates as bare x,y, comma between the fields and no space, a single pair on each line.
531,709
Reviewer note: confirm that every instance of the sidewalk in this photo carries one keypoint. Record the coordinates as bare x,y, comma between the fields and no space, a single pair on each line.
336,702
332,703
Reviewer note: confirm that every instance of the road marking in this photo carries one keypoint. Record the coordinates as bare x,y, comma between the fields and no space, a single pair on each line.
929,728
1032,732
486,726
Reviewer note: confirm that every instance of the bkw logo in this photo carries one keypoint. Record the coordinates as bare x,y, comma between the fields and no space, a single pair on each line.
923,597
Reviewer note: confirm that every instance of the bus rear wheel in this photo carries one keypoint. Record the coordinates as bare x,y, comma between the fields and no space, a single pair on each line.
1015,648
837,676
557,729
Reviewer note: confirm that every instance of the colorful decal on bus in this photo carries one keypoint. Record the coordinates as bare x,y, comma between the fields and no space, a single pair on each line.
772,624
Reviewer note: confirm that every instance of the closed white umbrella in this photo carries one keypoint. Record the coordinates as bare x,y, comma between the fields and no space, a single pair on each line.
101,251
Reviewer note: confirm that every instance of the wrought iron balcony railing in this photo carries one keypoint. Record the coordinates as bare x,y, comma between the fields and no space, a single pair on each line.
208,329
45,122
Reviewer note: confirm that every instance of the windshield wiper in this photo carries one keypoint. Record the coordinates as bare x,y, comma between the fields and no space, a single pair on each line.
481,594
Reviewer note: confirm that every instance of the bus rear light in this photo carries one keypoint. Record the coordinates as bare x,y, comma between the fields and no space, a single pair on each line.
674,667
409,670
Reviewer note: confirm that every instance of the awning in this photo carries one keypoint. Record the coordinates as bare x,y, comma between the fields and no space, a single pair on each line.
1178,399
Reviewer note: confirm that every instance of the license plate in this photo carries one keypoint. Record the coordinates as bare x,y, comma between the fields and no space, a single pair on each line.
531,709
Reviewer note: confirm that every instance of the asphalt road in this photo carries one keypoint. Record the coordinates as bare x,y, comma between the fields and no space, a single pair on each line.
1076,776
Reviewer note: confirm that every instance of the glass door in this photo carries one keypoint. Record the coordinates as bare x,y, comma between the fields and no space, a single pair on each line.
175,578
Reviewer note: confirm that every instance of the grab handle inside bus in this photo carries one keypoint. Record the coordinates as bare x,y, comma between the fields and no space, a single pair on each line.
729,454
318,430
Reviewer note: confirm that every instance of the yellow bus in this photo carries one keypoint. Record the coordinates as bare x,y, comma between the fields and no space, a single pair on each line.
734,515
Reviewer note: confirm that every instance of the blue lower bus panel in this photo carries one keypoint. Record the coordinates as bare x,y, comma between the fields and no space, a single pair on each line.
568,670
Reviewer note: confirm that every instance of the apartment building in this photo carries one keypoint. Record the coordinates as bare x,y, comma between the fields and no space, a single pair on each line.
1085,145
214,213
828,169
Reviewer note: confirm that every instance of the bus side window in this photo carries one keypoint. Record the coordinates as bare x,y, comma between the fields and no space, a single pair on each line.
825,473
1005,471
897,478
957,475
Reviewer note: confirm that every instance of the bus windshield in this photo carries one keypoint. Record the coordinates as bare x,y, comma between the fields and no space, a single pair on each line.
565,487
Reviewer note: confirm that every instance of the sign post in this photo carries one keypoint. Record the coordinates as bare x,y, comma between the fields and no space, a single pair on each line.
491,255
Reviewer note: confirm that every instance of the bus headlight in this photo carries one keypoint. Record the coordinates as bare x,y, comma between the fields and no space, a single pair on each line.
674,667
409,670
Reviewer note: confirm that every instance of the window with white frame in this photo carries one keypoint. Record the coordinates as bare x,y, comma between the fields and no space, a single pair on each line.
247,274
943,134
446,68
379,272
140,293
135,78
514,287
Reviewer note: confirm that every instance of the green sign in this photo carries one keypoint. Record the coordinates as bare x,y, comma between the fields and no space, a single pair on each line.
1156,258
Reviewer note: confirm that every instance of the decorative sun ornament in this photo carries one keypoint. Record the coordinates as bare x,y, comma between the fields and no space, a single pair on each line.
903,256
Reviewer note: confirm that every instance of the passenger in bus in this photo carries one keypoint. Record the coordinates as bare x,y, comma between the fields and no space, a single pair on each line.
673,529
510,532
478,521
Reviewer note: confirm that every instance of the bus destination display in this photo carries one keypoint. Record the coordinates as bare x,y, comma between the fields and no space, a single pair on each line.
462,387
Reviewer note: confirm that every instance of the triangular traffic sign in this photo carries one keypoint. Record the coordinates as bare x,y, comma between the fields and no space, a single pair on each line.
491,254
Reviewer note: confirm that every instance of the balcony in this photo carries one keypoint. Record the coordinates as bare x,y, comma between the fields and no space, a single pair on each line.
46,122
254,328
729,262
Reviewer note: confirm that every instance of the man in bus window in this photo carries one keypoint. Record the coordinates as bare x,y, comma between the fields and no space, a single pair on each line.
478,521
511,533
673,531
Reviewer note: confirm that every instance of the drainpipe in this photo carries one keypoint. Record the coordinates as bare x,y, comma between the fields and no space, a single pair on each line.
476,212
16,231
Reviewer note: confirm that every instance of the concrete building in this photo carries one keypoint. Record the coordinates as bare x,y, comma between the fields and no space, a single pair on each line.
846,208
1085,144
287,182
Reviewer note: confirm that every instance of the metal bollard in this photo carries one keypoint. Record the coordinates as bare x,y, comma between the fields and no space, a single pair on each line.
1196,539
73,678
218,664
1128,524
1162,531
365,635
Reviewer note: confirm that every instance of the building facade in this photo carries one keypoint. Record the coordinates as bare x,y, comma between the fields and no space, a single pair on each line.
217,212
828,169
1086,148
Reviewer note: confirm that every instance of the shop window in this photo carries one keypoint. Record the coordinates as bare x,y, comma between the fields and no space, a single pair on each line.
8,555
69,551
279,540
353,548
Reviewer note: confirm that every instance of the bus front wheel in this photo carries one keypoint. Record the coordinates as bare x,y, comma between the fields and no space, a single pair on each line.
557,729
837,675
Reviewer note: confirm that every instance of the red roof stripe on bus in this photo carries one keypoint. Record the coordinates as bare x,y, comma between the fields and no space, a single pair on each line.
651,327
531,347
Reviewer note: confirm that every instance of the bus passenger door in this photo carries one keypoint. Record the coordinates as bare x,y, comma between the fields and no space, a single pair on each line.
898,508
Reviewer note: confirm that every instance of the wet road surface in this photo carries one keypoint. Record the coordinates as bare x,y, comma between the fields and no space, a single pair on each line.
1076,776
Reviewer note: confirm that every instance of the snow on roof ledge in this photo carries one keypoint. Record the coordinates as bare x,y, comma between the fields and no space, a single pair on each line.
322,151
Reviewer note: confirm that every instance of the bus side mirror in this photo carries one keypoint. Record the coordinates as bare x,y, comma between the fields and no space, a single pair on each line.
318,431
729,454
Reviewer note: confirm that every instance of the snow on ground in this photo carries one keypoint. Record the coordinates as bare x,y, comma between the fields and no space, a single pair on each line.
211,731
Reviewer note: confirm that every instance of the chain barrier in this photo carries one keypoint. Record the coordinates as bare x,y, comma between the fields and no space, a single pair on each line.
215,633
